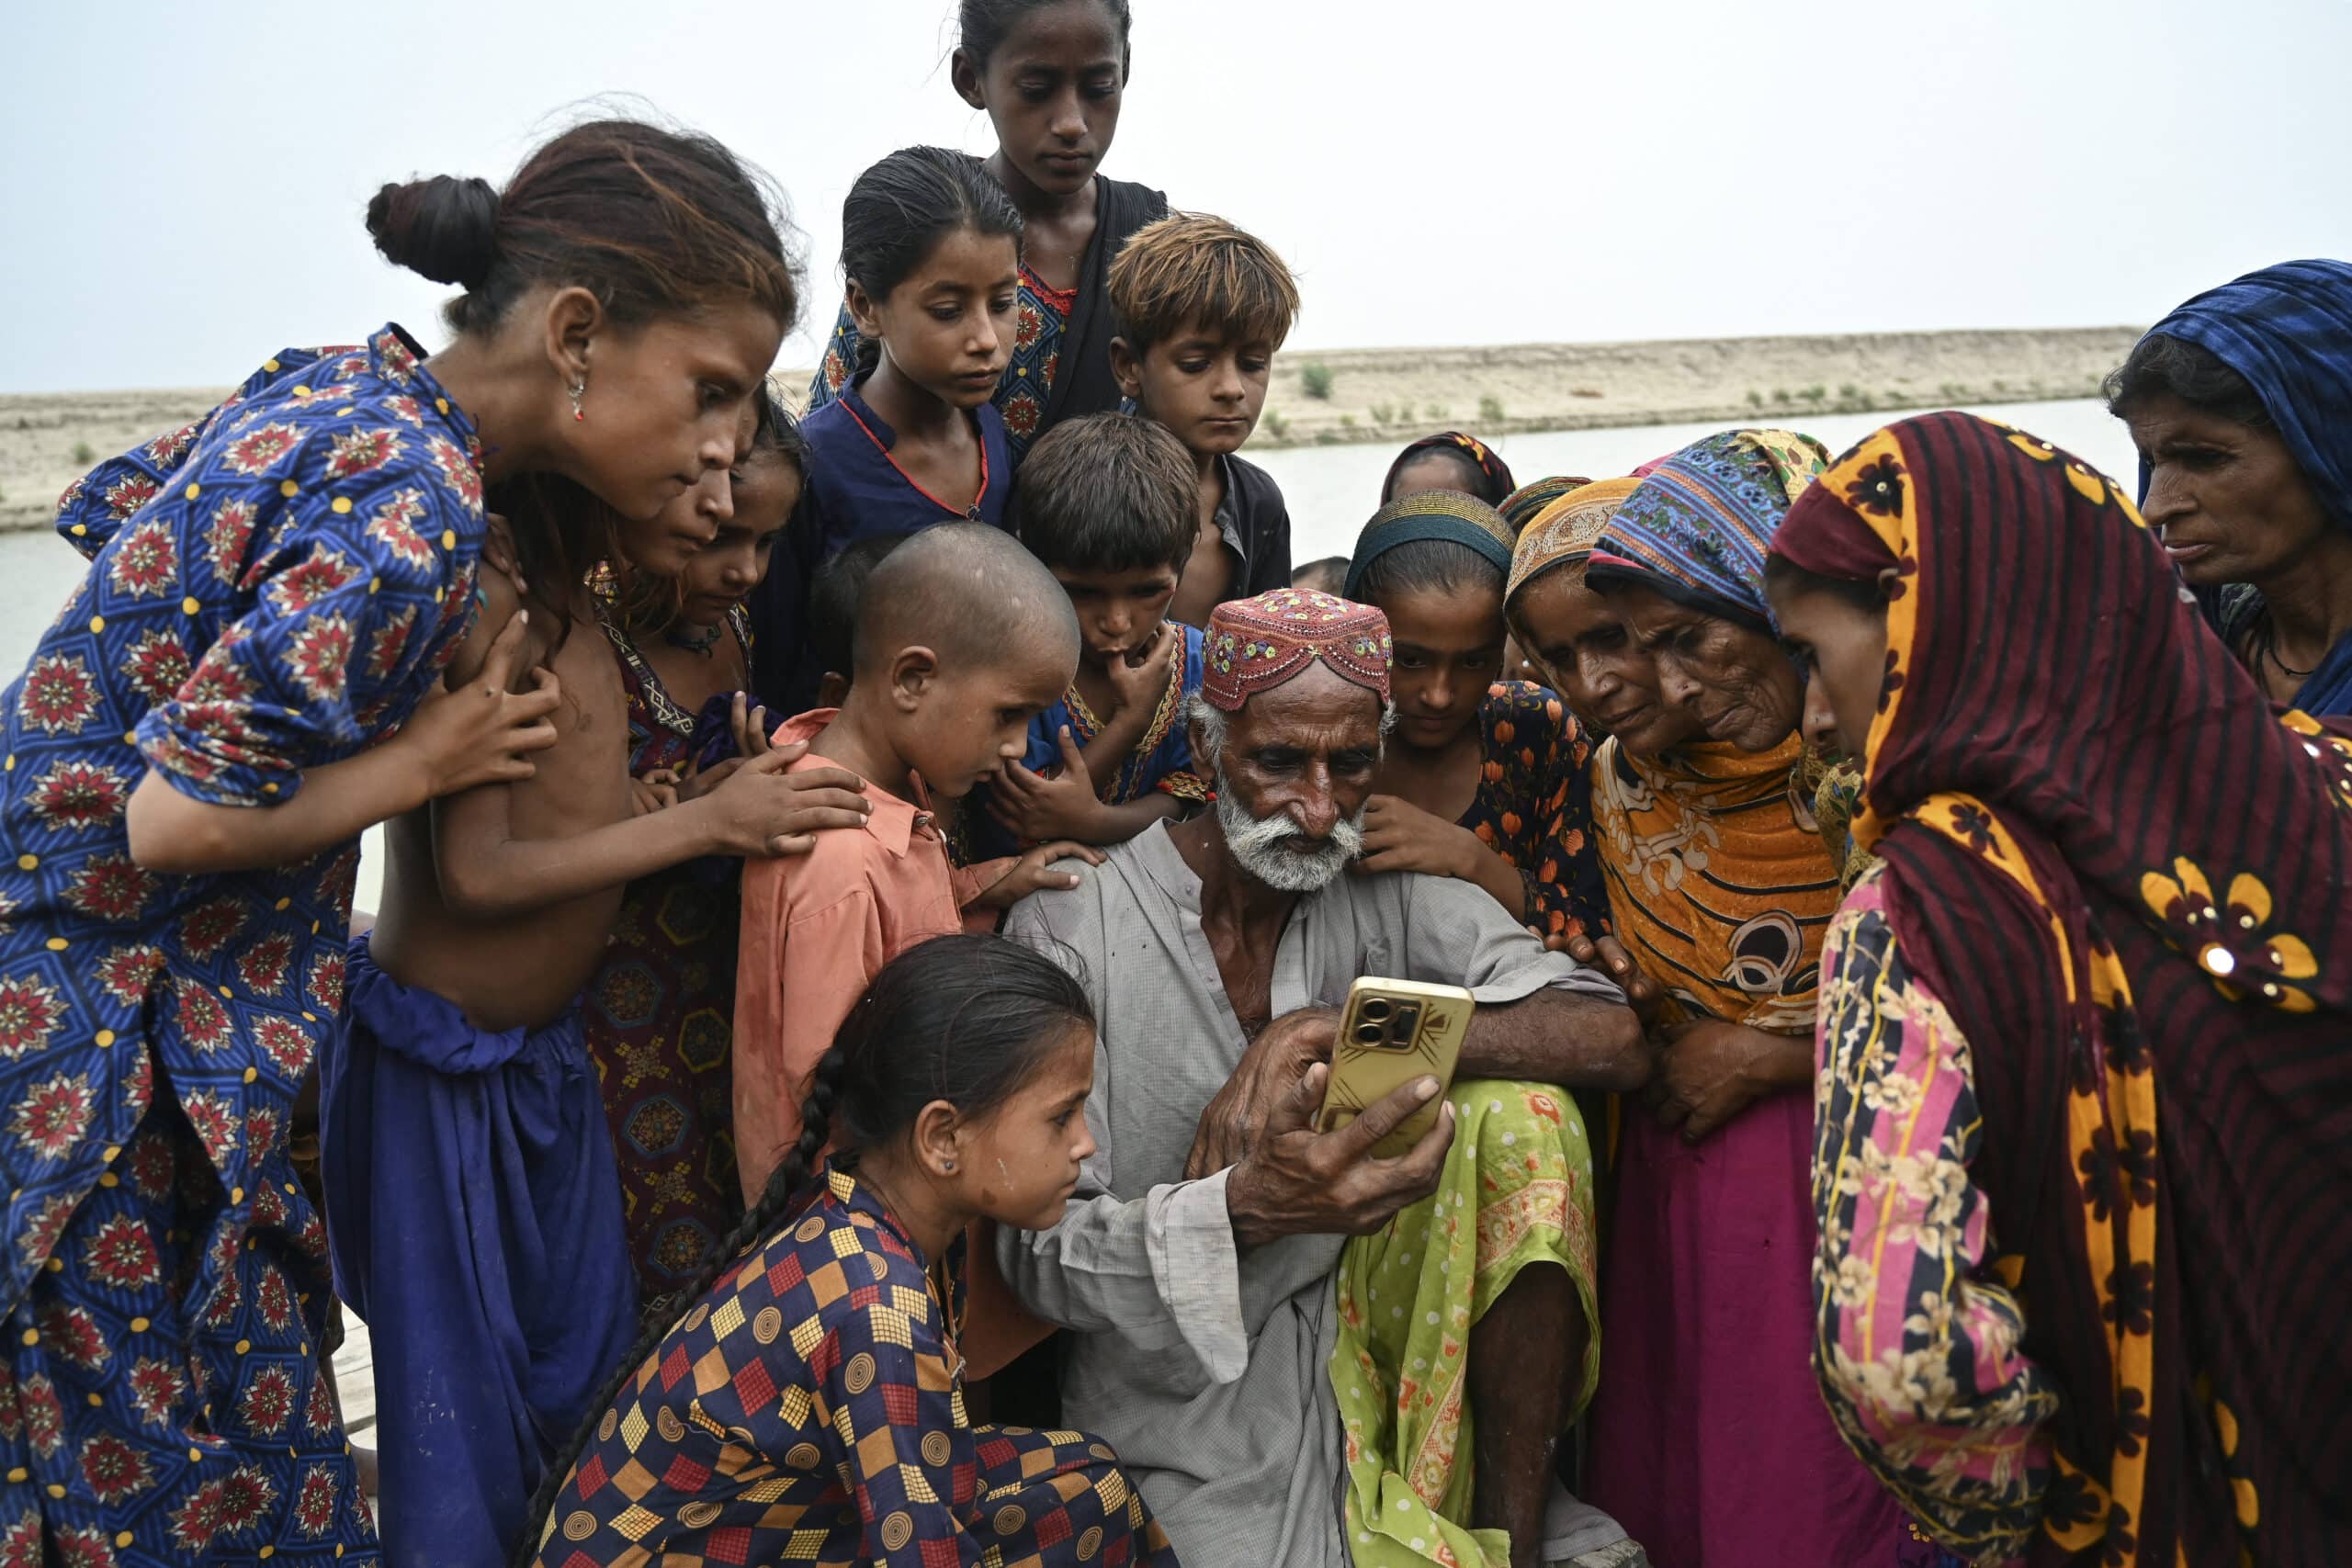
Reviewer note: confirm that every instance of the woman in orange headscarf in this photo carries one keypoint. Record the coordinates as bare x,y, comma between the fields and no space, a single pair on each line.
1643,601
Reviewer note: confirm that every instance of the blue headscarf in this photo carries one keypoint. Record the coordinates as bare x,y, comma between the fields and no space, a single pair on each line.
1699,526
2288,330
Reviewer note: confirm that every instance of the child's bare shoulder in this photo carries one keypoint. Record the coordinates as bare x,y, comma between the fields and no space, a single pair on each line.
497,597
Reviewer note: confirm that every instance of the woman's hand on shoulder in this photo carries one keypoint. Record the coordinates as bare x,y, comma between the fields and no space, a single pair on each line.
760,810
482,730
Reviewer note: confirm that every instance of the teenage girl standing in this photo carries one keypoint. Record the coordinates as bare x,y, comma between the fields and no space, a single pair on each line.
930,255
1050,75
191,756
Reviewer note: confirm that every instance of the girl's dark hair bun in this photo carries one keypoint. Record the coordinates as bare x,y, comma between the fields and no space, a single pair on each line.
444,227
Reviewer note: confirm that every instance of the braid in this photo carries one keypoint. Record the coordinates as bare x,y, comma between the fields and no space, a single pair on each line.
915,1037
793,1176
803,1159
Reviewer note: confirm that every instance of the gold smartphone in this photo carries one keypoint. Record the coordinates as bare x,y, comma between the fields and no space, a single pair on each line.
1391,1032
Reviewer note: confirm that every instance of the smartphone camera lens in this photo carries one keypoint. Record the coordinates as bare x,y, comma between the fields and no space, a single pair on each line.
1375,1010
1368,1033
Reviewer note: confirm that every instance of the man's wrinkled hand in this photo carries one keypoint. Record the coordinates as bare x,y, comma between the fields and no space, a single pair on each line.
1269,1070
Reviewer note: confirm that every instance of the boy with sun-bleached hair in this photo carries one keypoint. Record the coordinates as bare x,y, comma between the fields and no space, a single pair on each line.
1202,307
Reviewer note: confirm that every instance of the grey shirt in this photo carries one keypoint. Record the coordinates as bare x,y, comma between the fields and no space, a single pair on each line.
1202,1364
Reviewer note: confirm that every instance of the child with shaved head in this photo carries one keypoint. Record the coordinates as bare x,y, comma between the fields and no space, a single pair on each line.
962,639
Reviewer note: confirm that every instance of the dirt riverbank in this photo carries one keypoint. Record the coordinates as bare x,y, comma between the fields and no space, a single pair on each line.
1369,394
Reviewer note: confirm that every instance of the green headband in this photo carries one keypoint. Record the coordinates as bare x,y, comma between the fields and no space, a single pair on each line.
1434,514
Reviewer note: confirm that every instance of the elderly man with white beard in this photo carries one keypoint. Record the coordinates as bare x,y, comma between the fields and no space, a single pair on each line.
1304,1354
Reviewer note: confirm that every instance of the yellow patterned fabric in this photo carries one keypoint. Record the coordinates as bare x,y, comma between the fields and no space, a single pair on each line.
1718,883
1516,1191
1564,533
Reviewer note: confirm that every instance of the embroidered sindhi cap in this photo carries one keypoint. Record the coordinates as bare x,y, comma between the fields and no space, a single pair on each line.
1255,644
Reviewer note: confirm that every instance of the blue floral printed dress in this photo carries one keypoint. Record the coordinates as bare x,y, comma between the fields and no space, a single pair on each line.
272,589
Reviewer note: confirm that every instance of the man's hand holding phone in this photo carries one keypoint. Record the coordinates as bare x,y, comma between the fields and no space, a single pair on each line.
1235,1119
1296,1181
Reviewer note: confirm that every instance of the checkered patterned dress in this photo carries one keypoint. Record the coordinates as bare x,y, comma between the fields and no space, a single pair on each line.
809,1410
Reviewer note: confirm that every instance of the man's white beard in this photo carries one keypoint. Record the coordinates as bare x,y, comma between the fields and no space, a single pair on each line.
1259,845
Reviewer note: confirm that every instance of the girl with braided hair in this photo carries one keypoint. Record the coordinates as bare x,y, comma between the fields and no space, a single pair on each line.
804,1398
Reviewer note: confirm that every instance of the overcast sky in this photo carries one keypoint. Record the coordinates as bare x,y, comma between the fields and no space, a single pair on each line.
184,184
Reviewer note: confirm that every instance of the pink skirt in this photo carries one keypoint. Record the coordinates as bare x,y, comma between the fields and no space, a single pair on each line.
1708,1442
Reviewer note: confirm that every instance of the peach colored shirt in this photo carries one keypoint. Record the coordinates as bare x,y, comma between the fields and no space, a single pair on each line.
816,927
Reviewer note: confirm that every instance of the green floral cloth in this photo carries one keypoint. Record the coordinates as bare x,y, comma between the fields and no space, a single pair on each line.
1517,1189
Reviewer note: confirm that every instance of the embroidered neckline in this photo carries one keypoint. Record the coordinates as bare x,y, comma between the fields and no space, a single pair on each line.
1086,725
657,700
1062,301
969,513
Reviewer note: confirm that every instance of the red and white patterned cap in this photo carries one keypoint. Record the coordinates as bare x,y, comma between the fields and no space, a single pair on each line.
1255,644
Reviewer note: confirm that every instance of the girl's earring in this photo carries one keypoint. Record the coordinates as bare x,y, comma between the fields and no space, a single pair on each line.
947,1165
579,390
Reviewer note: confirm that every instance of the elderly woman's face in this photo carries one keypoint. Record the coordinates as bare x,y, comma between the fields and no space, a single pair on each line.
2226,499
1734,682
1579,644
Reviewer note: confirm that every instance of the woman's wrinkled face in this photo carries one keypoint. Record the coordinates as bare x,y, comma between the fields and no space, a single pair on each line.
1579,644
1842,645
2228,499
1734,683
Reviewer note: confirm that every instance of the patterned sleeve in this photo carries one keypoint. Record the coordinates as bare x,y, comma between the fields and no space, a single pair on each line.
95,506
324,578
1917,1343
912,1462
1186,785
1535,806
839,364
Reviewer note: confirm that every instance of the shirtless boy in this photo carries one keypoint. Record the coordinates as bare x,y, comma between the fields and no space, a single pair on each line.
475,1213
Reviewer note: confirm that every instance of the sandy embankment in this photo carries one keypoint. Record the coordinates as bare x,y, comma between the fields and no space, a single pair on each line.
47,440
1395,394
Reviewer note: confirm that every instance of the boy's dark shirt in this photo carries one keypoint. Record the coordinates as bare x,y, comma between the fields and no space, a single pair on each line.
1256,525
